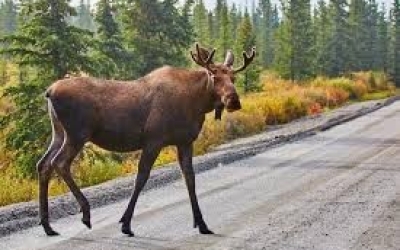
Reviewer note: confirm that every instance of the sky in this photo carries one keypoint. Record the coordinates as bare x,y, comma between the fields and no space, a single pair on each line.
211,3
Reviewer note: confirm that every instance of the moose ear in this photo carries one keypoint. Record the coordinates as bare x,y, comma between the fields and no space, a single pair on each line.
229,59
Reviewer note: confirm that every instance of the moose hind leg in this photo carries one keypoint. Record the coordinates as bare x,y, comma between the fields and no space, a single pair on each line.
45,170
147,159
62,163
185,154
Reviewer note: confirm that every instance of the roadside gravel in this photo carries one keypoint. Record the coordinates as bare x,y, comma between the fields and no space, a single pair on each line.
24,215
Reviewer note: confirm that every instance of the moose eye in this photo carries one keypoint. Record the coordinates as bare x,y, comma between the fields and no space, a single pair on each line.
217,78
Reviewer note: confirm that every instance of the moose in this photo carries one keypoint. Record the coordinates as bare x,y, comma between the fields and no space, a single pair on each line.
167,107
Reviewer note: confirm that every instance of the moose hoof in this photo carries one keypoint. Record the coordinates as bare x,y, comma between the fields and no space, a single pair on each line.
127,231
87,223
205,231
50,232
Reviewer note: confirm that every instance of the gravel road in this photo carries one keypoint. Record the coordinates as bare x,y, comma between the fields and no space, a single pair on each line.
337,189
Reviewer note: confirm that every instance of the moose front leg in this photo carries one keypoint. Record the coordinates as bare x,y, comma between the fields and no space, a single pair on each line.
147,159
185,154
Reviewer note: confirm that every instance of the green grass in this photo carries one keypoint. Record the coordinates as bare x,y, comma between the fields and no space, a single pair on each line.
377,95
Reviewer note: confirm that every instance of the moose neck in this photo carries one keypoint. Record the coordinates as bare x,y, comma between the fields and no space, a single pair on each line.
204,93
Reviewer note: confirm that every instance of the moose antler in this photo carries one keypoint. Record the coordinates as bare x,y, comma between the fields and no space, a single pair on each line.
247,60
204,58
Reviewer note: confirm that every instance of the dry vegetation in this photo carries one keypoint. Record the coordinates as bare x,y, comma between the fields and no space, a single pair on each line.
280,102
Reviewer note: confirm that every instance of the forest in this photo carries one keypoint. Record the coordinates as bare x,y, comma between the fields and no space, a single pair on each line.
310,57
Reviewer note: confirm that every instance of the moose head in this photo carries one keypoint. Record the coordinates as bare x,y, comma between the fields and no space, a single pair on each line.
222,77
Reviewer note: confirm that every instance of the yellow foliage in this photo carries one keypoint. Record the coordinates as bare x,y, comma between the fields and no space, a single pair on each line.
14,189
280,102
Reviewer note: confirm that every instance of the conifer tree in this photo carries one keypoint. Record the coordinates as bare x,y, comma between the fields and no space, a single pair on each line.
322,33
383,40
219,5
200,23
266,31
211,27
158,32
50,49
225,40
234,17
372,57
339,56
246,40
8,17
84,19
356,18
294,50
112,58
255,15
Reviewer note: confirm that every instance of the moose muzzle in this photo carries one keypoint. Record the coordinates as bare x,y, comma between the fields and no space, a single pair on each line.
232,102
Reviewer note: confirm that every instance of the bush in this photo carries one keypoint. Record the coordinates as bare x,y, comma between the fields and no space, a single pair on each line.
14,189
375,81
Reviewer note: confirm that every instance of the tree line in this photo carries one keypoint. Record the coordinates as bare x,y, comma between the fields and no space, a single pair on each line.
294,38
301,41
125,39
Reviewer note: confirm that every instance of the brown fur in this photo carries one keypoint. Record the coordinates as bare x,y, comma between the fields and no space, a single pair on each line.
166,107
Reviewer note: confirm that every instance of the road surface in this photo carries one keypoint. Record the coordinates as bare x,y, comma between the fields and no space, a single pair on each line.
339,189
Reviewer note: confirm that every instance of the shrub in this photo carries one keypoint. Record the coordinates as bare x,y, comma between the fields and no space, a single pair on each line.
375,81
15,189
314,109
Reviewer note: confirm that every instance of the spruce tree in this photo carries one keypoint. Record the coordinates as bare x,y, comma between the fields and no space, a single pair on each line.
363,20
246,40
372,57
112,58
46,48
234,17
255,15
339,52
294,50
358,38
8,17
211,27
322,33
219,5
225,39
200,23
266,31
84,19
383,40
158,32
